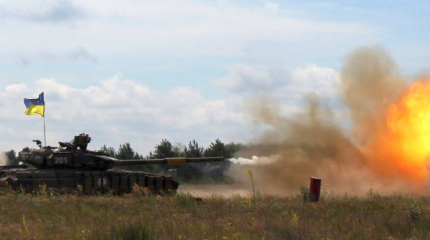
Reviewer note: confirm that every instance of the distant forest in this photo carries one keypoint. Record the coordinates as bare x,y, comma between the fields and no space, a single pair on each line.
188,173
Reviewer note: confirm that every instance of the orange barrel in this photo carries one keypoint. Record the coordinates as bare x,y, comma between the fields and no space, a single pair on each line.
315,189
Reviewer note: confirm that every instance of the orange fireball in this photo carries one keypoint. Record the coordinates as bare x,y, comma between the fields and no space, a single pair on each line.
402,147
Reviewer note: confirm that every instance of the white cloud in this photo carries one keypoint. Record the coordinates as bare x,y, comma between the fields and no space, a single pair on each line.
314,78
16,88
117,99
281,80
244,78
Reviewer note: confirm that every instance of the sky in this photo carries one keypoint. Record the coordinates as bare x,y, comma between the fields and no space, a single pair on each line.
142,71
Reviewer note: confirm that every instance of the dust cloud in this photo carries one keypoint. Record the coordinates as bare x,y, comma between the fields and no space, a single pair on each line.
344,152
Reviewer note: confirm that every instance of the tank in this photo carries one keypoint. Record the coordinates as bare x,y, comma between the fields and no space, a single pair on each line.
71,167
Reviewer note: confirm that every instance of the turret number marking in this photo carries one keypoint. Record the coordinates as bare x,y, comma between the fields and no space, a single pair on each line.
60,160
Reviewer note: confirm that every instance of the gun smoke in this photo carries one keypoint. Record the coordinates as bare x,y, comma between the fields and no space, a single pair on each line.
254,160
317,142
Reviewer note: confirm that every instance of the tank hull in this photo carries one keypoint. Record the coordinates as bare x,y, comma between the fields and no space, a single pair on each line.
89,182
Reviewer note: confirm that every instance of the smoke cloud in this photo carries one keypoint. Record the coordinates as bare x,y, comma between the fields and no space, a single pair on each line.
346,153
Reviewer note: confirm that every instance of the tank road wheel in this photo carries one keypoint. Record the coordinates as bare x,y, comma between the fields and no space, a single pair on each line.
103,183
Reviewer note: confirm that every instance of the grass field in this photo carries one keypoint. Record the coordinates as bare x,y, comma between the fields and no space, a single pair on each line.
45,216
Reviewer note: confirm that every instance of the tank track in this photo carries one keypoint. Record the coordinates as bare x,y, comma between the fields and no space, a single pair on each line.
89,182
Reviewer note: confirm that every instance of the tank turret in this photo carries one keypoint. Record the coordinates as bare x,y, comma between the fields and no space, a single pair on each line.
71,165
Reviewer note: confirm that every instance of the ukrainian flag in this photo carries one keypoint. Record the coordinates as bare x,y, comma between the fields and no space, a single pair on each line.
35,106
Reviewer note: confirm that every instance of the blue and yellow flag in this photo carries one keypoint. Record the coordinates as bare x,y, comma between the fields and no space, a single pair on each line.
35,106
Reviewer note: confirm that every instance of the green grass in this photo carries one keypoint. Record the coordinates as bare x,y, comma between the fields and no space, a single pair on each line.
44,216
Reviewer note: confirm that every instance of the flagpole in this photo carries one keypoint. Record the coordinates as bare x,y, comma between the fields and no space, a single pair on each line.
44,126
44,130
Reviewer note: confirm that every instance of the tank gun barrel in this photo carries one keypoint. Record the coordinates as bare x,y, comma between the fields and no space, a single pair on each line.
168,161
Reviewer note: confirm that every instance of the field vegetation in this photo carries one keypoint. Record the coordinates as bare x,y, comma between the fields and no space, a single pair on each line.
144,216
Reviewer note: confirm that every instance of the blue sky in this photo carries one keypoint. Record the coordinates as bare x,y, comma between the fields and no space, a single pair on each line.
140,71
